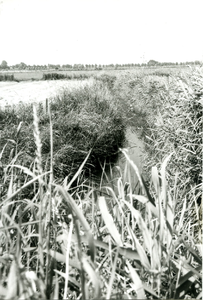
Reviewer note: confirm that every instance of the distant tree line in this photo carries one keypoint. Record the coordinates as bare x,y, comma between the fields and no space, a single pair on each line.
151,63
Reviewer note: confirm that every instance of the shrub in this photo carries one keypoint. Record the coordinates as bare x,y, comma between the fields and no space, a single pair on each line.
53,76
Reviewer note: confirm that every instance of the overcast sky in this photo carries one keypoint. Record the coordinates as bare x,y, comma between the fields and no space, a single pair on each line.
100,31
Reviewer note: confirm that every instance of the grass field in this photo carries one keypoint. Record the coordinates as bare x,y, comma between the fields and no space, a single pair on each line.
13,93
70,232
38,75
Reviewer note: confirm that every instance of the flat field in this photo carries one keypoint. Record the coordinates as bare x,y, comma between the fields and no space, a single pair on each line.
38,74
12,93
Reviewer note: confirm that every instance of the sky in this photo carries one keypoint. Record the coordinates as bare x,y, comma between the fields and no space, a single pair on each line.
100,31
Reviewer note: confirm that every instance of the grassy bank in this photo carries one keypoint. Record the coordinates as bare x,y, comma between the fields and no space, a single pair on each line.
82,119
61,240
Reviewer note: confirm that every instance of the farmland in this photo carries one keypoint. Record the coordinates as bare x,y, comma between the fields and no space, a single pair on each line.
31,87
38,75
79,218
25,75
13,93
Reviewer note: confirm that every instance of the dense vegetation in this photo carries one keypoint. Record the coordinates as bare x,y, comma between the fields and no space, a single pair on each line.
83,119
56,76
62,240
6,77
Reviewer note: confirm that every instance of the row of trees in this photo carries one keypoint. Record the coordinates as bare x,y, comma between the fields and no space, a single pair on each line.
156,63
151,63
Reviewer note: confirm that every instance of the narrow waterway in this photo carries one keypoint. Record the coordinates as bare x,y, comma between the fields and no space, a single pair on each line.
136,151
135,147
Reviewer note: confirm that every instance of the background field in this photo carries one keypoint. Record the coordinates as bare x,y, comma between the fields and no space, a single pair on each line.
27,91
37,75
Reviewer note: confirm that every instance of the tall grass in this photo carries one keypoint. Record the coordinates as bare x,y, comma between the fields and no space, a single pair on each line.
177,129
84,118
108,243
70,76
90,241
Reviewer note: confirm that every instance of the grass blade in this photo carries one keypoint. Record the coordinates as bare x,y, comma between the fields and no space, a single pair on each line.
138,286
77,211
109,221
93,277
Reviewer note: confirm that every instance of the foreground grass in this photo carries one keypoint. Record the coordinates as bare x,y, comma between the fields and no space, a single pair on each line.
112,240
104,243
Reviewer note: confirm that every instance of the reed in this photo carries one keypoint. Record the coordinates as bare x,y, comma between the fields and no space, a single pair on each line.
113,240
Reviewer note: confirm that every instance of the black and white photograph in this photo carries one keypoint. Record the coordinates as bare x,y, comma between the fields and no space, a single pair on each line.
101,156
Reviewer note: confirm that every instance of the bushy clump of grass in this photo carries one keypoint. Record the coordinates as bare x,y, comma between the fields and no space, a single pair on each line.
53,76
162,73
107,79
58,76
6,77
84,118
81,76
141,96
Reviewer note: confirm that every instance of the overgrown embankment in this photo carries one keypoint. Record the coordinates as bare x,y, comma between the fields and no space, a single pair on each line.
167,113
82,119
177,129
